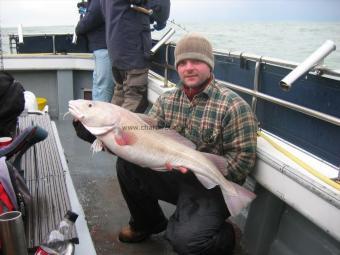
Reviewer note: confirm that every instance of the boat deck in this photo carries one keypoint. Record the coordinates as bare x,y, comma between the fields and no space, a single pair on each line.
289,199
96,184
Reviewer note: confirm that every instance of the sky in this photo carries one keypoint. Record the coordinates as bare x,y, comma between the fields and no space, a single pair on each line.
64,12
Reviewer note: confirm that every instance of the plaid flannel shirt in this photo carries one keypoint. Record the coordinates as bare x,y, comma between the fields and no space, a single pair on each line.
217,120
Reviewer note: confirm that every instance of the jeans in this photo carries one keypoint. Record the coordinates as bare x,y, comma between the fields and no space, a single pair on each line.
198,225
103,83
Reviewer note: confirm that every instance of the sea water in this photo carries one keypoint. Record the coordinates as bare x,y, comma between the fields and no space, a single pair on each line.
292,41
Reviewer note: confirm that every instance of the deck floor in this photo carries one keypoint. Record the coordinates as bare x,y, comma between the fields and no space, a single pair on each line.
96,184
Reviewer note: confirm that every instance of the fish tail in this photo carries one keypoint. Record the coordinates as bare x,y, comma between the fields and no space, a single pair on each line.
236,203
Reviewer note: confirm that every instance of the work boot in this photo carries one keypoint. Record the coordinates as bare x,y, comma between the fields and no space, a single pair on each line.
129,235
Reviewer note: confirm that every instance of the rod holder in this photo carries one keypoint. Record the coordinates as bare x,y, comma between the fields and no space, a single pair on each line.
163,40
12,234
314,59
20,34
74,38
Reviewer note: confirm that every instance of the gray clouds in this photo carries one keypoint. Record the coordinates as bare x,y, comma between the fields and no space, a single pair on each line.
64,12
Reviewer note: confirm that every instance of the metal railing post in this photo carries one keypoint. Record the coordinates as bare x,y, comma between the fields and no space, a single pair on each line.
166,65
1,52
307,111
256,84
53,43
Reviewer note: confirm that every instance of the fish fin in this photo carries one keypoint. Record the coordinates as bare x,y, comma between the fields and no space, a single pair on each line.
122,137
206,182
236,203
160,169
219,161
97,145
177,137
99,130
147,119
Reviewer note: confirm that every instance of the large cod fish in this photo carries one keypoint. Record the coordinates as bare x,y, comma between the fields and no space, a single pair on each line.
133,137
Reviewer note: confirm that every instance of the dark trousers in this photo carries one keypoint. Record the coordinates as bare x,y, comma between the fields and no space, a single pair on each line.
198,225
131,89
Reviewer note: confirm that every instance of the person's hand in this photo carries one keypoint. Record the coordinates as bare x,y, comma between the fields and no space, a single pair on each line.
159,25
160,15
170,167
82,10
82,132
82,7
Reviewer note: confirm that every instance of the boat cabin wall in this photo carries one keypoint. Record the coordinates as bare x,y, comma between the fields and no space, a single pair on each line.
275,228
57,86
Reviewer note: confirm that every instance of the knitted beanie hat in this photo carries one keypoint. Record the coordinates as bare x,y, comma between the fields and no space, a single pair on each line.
194,46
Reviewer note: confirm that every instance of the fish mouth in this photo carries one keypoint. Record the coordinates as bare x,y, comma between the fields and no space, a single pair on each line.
75,112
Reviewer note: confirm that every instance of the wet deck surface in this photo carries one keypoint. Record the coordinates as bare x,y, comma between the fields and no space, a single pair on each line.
94,178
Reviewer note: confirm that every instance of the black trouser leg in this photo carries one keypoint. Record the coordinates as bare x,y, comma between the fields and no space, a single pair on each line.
142,188
198,225
118,95
135,90
131,89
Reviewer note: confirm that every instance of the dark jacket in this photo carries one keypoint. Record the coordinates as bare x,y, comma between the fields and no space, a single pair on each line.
128,35
92,25
12,103
161,12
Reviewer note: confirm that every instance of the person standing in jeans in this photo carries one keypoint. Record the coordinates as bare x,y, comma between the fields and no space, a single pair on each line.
92,25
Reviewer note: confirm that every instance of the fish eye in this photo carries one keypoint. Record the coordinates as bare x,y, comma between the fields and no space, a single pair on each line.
90,105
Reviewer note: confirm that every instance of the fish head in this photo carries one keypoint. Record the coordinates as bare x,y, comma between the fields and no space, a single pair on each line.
97,117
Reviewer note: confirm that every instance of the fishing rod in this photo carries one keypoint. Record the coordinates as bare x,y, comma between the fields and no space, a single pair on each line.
178,25
82,7
141,9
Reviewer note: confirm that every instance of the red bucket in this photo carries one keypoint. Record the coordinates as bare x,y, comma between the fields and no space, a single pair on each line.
4,141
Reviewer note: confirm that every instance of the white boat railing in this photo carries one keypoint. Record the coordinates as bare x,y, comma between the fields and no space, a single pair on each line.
313,60
260,60
316,114
316,70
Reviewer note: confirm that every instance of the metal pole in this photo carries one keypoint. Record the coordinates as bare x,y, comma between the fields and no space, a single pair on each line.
314,59
1,52
53,41
166,66
20,34
316,114
163,40
12,233
256,84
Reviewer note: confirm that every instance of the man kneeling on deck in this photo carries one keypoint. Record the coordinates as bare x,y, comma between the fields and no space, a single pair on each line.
217,121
